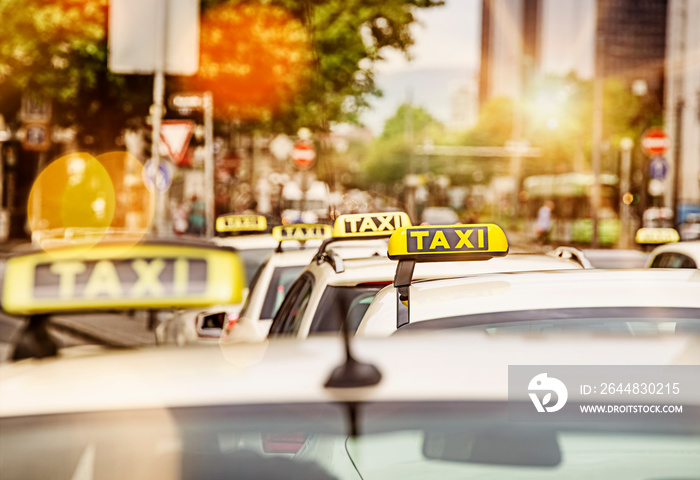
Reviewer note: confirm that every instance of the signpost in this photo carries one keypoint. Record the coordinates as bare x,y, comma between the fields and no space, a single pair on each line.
202,101
156,37
655,143
162,180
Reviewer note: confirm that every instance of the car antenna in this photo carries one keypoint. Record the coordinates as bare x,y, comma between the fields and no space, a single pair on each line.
352,373
34,340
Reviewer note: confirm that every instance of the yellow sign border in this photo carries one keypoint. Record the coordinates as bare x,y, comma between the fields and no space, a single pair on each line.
261,224
339,230
222,265
497,244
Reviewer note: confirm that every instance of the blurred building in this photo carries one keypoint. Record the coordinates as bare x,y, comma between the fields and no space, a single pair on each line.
464,106
510,38
631,42
682,107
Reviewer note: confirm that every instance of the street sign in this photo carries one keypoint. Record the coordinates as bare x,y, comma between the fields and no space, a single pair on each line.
187,101
165,175
655,142
36,137
133,42
35,110
176,136
303,155
658,168
281,147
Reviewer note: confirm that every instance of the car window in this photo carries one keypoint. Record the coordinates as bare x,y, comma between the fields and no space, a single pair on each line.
288,318
282,279
622,320
673,260
252,260
338,303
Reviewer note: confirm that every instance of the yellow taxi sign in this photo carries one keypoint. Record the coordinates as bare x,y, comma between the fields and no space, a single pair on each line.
241,223
106,277
653,236
448,243
301,232
370,224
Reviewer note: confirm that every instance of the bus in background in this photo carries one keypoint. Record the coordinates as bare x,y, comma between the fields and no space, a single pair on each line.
572,217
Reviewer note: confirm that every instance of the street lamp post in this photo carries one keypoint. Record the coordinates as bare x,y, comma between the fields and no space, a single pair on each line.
626,145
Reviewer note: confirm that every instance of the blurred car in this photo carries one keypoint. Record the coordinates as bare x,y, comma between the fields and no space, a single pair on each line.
277,271
690,228
439,216
604,258
675,255
634,302
435,406
115,278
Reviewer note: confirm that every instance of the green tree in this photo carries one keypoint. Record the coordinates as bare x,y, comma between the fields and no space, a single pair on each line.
57,49
389,157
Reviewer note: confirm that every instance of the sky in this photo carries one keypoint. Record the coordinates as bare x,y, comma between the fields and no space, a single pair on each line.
445,54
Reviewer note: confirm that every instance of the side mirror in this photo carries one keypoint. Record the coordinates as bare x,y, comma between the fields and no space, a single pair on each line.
210,325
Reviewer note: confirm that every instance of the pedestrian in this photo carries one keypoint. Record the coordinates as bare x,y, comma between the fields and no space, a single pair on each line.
180,224
196,219
543,225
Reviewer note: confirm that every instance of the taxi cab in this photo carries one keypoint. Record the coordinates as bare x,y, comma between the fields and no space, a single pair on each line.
115,277
675,255
438,406
274,278
331,290
249,235
624,301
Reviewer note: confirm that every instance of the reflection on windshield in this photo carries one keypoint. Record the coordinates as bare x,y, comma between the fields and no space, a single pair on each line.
428,440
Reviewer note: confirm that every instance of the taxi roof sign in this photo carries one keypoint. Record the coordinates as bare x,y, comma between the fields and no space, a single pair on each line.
241,223
656,236
108,277
301,232
448,243
369,224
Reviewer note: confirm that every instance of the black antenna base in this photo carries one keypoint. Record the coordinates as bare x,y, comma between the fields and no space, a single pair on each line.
353,374
35,341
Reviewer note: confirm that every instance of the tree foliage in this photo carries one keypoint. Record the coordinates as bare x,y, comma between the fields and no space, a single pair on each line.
57,49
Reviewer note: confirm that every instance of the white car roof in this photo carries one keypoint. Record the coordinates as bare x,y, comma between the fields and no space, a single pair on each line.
535,291
381,269
258,241
433,366
691,249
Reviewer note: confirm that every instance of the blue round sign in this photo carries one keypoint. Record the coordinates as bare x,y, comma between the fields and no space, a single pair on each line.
658,168
164,178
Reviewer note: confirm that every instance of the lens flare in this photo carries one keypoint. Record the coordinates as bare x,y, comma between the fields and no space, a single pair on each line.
80,200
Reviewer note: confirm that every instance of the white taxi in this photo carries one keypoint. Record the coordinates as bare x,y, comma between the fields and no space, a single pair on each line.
675,255
422,406
634,302
331,289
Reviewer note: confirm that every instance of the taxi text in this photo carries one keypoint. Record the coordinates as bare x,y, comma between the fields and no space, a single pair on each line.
373,224
447,240
133,278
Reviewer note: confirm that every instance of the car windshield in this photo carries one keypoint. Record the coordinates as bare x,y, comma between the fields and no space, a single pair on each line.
618,320
340,304
252,260
298,441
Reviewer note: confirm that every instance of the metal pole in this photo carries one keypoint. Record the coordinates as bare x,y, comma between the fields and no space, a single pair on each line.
209,162
158,198
625,168
677,160
597,129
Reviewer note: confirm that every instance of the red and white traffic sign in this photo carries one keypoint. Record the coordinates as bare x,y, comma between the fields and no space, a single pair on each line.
655,142
176,135
303,155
